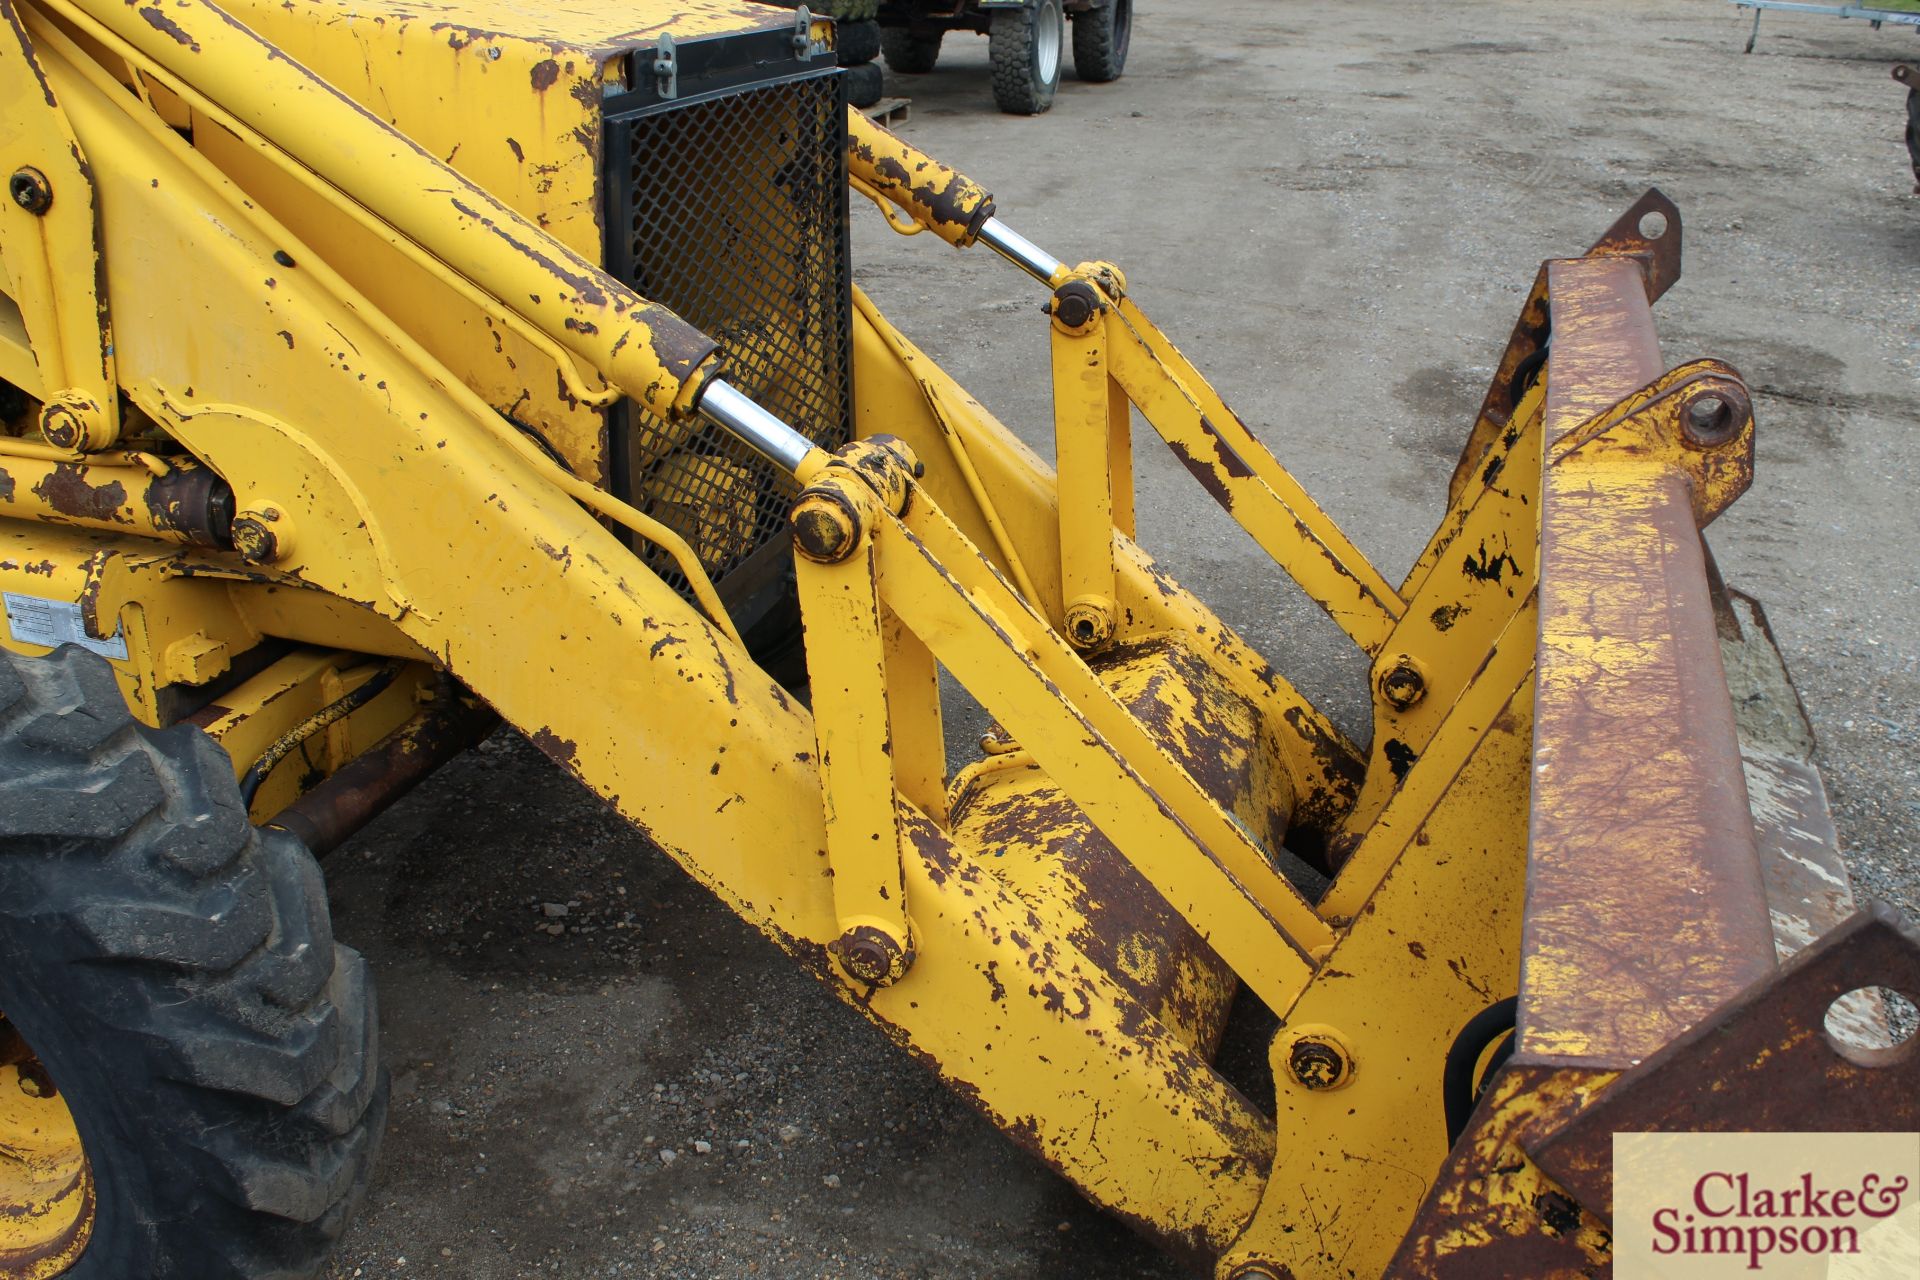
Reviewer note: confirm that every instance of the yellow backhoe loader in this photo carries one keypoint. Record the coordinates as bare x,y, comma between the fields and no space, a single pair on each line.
372,372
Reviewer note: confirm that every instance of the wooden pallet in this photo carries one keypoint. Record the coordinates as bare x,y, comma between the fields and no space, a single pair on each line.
890,111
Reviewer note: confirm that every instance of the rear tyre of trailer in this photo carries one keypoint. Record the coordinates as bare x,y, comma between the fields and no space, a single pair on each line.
1100,39
908,51
1024,46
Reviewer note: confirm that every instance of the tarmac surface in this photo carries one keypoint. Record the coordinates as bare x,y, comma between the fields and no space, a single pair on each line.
1336,209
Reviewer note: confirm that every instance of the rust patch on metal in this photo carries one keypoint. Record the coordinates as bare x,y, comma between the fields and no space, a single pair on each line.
1061,855
544,75
1658,256
167,26
362,789
955,204
678,346
1483,566
1637,774
555,748
1491,1214
1320,805
1659,264
1765,1062
1230,460
1400,758
1252,1143
1204,472
946,198
67,490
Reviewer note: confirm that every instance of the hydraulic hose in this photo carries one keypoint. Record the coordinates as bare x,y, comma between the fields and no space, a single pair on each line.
334,712
1459,1087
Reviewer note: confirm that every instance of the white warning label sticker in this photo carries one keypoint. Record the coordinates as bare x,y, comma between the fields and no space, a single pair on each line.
36,620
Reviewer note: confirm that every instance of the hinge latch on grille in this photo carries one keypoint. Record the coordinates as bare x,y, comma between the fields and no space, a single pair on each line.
666,68
803,41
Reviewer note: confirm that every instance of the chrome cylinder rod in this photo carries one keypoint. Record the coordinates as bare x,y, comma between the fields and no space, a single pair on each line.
754,426
1019,250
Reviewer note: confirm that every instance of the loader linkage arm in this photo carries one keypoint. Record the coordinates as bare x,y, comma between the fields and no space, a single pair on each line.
1571,806
1584,596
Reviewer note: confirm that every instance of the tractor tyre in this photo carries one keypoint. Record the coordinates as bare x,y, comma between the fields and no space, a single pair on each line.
1024,46
858,42
909,52
190,1082
1100,39
865,84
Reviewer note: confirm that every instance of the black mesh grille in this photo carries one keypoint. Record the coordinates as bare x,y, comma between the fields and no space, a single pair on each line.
731,209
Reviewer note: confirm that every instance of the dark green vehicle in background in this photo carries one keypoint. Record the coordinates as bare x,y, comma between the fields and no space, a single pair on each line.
1027,42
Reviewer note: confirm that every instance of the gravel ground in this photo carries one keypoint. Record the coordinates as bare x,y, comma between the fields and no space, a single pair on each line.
599,1072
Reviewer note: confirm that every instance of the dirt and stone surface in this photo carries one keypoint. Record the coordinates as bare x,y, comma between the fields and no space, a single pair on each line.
598,1072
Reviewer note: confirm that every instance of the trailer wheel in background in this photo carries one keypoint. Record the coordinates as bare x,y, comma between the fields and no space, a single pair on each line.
908,51
1100,38
865,84
857,41
1025,45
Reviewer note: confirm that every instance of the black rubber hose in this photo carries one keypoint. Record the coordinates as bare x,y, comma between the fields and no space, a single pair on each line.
1458,1087
282,746
1526,373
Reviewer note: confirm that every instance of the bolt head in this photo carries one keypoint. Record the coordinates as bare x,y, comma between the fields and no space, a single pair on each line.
1089,622
259,536
71,420
31,190
824,530
1318,1064
1074,304
872,956
1402,685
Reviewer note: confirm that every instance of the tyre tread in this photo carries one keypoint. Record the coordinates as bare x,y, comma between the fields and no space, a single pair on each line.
1098,57
909,52
1010,55
201,949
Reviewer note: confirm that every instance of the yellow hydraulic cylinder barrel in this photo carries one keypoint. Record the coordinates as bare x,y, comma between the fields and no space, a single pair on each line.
187,503
946,202
953,206
640,347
